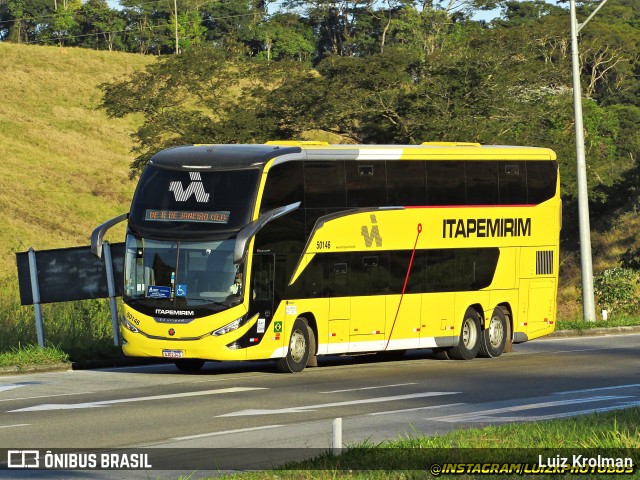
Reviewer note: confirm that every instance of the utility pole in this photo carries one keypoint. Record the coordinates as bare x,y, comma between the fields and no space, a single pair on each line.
588,304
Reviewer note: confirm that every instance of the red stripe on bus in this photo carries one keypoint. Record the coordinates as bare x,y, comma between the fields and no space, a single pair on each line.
404,287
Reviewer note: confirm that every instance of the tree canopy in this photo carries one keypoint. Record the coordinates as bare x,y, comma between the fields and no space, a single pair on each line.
401,72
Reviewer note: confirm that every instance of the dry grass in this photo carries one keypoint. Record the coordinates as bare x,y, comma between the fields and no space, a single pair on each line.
65,164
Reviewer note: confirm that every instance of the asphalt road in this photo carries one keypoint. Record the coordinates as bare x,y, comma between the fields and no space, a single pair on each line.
250,405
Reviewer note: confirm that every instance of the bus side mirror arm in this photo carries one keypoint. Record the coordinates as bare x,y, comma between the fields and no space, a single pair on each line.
249,231
98,234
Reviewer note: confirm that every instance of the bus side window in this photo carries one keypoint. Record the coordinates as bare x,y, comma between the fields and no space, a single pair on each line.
284,186
366,183
445,183
398,266
541,181
324,184
262,281
481,178
407,183
310,283
512,180
369,273
336,275
441,270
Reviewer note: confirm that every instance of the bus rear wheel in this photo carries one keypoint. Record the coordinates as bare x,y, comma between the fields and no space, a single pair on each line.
494,337
299,348
189,364
469,343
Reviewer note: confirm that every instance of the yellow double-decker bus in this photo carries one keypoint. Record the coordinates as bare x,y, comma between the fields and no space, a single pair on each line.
294,250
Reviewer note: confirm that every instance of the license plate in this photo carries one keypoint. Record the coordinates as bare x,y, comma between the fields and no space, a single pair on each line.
173,353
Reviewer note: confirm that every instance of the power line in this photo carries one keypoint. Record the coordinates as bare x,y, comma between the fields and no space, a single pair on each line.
45,17
126,30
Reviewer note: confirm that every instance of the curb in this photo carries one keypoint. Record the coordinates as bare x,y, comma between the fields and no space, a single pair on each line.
592,332
24,369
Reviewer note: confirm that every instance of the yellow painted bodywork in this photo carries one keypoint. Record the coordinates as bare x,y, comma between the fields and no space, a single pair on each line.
394,321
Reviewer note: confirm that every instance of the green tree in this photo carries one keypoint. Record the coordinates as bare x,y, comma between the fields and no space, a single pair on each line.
63,26
101,27
287,36
235,26
190,30
25,20
150,27
204,95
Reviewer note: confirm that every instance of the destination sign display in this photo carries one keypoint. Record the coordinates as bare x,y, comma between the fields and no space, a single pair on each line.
186,216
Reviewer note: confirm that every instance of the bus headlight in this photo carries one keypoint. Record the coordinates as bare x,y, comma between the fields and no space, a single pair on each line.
230,327
126,324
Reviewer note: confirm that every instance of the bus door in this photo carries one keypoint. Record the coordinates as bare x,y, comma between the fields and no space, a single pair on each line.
337,273
541,305
262,290
369,284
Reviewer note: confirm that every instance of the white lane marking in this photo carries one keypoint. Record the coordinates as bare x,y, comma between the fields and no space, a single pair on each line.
227,432
4,388
600,389
391,412
306,408
476,416
16,425
106,403
369,388
551,416
43,396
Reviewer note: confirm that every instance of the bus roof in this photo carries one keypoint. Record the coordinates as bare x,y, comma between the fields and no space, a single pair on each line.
225,156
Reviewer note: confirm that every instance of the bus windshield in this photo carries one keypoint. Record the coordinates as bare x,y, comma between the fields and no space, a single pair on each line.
165,273
184,205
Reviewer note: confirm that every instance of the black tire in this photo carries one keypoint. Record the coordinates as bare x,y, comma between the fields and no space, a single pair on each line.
299,349
470,337
189,364
313,359
494,337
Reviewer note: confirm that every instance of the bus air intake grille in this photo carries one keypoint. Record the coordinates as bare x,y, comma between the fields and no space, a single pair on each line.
544,262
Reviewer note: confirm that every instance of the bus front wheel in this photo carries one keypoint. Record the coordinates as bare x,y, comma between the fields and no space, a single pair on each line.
299,349
469,343
494,337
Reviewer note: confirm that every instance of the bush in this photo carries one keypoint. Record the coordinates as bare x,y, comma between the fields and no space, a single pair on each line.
616,290
631,258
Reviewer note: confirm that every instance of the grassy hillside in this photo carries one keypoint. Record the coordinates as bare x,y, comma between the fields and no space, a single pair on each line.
65,165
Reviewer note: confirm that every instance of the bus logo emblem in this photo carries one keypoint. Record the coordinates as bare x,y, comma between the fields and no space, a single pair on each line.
373,235
194,188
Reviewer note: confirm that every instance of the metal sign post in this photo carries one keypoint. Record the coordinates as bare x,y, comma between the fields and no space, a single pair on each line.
111,288
35,293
